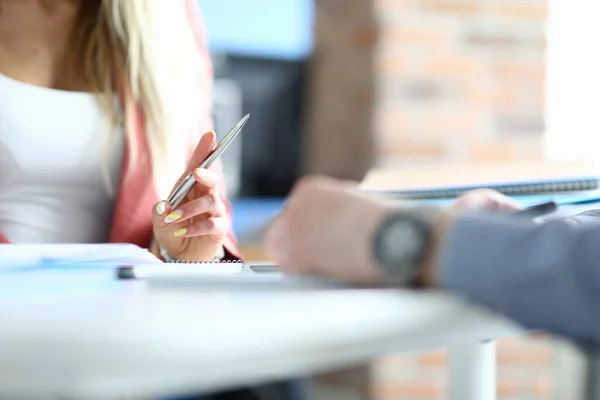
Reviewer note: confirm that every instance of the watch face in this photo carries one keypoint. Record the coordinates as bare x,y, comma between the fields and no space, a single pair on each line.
401,242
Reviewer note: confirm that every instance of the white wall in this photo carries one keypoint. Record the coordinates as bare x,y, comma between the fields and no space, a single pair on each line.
573,80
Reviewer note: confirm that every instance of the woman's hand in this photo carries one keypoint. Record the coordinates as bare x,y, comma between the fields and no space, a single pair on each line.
196,228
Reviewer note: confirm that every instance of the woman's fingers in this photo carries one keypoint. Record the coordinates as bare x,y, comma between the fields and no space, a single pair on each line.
210,204
206,144
159,212
203,149
206,178
214,226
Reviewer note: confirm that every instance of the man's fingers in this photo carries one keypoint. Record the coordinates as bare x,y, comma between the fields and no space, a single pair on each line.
486,199
272,235
276,243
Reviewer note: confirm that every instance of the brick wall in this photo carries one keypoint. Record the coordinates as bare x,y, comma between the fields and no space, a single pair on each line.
399,82
417,81
526,370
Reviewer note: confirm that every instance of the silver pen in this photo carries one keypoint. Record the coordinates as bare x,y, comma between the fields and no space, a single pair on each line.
188,183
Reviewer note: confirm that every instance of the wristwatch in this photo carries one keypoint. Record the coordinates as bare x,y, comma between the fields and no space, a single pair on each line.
400,244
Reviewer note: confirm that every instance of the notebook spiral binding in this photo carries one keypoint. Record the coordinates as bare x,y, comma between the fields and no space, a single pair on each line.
560,185
203,262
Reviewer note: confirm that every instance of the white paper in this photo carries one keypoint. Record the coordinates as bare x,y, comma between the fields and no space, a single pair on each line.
12,255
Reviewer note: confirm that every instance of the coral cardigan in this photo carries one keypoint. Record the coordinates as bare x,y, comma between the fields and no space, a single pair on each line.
132,218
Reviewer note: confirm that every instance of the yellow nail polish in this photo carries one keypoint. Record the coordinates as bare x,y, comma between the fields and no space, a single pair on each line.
181,232
161,207
201,172
174,216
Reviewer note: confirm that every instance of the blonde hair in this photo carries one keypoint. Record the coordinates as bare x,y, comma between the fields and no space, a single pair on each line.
147,48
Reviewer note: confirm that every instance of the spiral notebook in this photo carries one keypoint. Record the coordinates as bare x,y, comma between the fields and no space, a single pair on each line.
512,179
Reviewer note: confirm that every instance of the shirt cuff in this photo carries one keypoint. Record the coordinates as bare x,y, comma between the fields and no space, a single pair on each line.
477,255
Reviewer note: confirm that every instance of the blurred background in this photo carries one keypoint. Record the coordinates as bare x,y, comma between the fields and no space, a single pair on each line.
342,86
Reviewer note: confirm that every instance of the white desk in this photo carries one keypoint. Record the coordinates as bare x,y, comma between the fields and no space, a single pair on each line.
83,335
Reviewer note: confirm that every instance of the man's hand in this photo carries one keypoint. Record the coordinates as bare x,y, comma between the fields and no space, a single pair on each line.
485,200
327,229
475,200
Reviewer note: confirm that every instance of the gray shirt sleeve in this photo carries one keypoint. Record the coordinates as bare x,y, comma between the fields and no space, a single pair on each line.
544,276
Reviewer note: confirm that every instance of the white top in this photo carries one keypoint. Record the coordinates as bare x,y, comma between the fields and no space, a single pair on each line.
52,188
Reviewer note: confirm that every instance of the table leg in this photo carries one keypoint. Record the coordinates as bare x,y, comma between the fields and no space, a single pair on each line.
472,372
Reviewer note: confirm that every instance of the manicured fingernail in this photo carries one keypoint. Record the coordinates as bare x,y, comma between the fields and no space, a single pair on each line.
174,216
161,207
202,173
181,232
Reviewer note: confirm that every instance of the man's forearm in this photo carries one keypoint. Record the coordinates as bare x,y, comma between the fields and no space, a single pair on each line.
544,276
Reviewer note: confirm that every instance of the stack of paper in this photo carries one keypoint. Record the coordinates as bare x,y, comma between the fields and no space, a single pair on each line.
12,255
